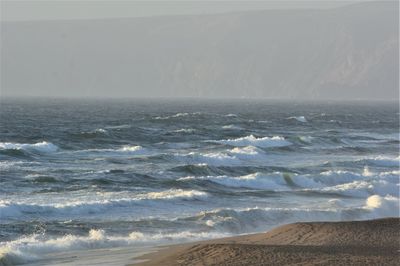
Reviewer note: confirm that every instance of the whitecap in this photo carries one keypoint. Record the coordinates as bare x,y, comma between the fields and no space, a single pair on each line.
71,205
231,127
31,248
210,158
122,150
383,161
253,181
382,206
301,119
185,130
251,140
118,126
44,146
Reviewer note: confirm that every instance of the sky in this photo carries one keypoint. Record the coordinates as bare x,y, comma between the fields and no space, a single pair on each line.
17,10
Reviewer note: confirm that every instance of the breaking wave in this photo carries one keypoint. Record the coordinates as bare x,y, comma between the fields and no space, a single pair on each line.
95,204
235,156
41,147
251,140
30,248
301,119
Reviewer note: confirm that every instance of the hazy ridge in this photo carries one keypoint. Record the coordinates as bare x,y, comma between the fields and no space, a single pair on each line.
344,53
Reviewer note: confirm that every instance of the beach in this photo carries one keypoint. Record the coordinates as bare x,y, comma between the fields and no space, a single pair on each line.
373,242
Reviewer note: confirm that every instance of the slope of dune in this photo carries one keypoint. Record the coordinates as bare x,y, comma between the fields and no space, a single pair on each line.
374,242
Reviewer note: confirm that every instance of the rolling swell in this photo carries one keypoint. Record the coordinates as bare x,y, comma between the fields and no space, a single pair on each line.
159,172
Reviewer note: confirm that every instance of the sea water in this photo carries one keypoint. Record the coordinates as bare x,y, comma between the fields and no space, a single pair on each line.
84,175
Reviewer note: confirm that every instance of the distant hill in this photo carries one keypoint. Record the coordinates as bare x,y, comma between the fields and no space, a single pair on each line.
350,52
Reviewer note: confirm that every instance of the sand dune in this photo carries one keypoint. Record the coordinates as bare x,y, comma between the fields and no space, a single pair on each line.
375,242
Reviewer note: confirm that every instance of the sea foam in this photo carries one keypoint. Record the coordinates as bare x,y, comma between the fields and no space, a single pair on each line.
251,140
99,203
43,147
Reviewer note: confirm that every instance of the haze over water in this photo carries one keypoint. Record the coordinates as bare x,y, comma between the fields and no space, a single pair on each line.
96,174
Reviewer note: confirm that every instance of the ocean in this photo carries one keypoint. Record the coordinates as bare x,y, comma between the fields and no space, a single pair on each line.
82,175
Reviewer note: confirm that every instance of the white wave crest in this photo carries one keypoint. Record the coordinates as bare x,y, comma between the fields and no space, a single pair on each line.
260,219
384,161
387,206
118,127
266,142
212,158
254,181
124,150
235,156
44,146
177,115
301,119
231,127
131,148
31,248
78,205
274,181
185,130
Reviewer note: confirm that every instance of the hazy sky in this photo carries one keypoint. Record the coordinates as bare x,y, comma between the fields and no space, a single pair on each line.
296,52
17,10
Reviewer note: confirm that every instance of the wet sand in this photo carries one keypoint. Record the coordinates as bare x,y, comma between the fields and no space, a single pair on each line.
374,242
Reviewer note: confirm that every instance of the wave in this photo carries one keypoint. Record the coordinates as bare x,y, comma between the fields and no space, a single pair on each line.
274,181
258,219
130,149
235,156
333,182
212,158
359,184
231,127
92,134
254,181
383,161
196,169
301,119
378,206
185,130
31,248
266,142
41,147
124,150
125,126
210,223
363,188
306,139
177,115
91,204
247,153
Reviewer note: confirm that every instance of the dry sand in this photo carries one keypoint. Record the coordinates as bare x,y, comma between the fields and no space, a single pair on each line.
375,242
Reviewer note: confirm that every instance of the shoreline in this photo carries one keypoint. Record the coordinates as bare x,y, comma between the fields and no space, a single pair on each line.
370,242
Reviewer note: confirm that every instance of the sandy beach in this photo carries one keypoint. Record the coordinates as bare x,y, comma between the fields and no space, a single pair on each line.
373,242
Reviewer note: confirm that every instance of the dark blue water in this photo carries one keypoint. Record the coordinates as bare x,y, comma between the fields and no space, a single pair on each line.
79,174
